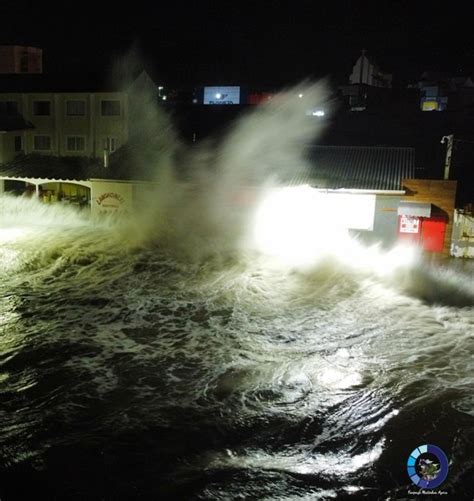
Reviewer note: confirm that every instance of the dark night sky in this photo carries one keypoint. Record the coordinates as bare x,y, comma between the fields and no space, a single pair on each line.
268,43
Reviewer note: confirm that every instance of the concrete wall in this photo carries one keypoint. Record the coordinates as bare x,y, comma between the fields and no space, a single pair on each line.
109,197
386,219
7,146
385,222
462,244
93,126
441,194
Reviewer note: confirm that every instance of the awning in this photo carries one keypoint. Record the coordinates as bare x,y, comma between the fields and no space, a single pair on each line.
417,209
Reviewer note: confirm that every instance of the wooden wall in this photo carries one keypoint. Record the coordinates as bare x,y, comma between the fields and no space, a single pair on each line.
440,193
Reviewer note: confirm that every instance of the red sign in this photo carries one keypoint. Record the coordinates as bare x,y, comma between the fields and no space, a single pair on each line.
409,224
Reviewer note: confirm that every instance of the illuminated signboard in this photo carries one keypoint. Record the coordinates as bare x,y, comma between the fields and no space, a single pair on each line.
429,105
221,95
409,224
434,103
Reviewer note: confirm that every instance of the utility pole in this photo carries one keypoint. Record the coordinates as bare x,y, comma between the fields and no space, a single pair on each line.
449,151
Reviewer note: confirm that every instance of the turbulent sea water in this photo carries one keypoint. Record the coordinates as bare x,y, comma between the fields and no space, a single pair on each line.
134,372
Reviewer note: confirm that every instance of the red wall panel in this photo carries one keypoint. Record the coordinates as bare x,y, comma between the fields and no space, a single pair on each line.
432,234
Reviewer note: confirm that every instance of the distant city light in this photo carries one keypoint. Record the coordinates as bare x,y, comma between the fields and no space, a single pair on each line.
195,100
318,113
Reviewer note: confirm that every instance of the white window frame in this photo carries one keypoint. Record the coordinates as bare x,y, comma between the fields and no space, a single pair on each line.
43,149
70,136
75,116
42,101
113,100
106,142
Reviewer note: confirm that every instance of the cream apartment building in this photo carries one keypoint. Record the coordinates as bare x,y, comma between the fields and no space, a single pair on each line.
60,123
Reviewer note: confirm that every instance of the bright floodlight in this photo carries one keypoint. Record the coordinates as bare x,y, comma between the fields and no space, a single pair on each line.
299,225
318,113
292,225
300,95
218,95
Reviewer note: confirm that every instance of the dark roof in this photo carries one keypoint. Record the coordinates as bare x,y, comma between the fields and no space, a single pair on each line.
332,167
45,166
84,82
358,167
124,164
13,122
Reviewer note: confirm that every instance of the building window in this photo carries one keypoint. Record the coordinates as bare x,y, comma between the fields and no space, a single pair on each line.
8,108
42,143
75,108
110,144
18,143
42,108
110,108
75,143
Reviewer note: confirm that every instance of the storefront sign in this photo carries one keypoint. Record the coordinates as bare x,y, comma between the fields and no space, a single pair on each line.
409,224
110,200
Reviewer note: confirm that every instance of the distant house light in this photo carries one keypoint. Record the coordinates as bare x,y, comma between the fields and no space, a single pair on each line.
164,98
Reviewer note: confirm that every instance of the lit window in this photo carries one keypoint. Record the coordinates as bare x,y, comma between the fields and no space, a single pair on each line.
75,143
75,108
42,108
110,108
42,143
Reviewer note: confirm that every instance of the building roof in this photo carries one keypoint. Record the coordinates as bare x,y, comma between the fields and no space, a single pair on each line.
123,165
358,167
47,82
331,167
104,81
45,166
10,123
